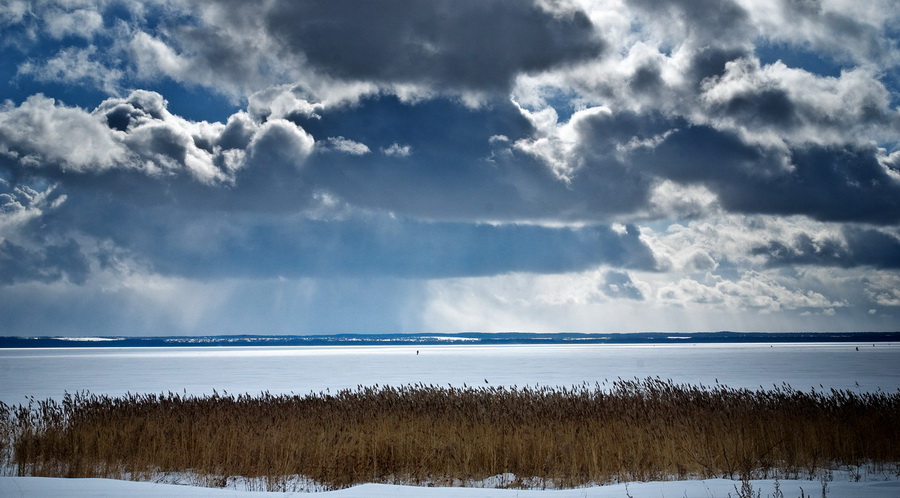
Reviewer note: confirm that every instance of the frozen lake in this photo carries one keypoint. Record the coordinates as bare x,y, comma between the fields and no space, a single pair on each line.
46,373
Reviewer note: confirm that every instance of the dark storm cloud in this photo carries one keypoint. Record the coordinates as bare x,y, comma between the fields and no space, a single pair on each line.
263,164
766,107
46,263
419,250
219,245
702,154
708,62
606,178
28,251
856,247
162,217
647,79
468,44
461,165
454,171
828,183
236,48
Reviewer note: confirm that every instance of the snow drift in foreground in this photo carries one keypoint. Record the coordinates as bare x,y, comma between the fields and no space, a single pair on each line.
33,487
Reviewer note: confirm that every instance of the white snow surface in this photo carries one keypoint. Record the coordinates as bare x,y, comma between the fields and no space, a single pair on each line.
34,487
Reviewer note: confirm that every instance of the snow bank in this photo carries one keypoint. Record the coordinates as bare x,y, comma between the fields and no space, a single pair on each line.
34,487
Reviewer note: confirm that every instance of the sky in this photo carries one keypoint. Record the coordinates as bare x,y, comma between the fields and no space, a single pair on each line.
174,167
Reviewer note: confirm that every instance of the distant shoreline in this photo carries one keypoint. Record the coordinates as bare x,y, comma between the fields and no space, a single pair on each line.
483,338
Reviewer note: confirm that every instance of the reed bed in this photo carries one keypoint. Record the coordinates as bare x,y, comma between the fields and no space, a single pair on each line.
423,434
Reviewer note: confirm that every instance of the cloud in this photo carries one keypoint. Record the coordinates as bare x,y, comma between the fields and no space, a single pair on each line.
836,182
77,22
347,146
39,133
215,245
619,285
856,247
151,305
75,66
477,45
138,134
237,49
50,263
27,255
455,171
774,104
145,42
696,22
846,32
398,150
752,291
887,297
233,60
278,143
13,12
764,139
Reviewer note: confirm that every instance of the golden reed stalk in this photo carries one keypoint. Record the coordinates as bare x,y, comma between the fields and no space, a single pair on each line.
630,430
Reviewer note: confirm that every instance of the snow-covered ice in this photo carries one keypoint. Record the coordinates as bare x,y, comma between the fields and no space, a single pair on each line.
46,373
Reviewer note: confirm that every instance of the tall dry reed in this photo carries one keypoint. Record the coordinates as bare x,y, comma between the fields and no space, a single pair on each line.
632,429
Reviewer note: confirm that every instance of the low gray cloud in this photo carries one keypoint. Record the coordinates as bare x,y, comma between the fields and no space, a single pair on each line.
215,245
28,252
152,306
48,263
618,284
856,247
829,183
